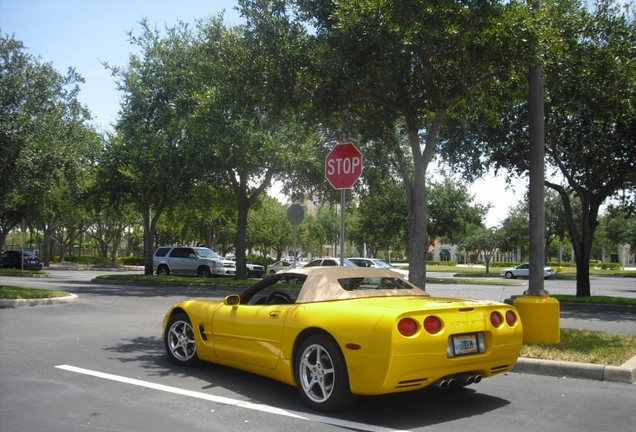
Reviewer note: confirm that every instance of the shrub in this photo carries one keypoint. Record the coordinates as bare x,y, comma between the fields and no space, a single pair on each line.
607,266
131,261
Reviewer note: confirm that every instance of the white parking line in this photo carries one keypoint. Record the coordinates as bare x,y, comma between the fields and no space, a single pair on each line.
229,401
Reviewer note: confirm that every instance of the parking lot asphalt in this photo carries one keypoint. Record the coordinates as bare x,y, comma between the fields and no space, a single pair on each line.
625,373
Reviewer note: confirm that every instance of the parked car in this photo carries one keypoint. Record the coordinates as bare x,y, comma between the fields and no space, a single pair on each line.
26,260
254,270
191,261
329,261
378,263
339,332
523,270
251,269
281,265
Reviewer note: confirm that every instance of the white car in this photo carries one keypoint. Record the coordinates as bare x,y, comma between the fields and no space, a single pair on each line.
378,263
523,270
281,265
329,262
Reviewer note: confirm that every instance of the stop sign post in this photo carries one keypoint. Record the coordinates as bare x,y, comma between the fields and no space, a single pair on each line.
343,167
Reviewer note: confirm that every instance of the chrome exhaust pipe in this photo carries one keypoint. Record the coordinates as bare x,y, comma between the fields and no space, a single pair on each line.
466,379
452,383
477,379
441,384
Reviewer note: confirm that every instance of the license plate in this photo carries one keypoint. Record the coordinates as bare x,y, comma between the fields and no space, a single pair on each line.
465,344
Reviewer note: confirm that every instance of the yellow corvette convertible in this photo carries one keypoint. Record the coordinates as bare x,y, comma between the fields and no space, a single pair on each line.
339,332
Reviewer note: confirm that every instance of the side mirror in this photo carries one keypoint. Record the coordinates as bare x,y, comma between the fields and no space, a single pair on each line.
232,300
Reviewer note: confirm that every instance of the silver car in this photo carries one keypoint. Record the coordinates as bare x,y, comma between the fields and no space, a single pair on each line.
378,263
191,261
523,270
281,265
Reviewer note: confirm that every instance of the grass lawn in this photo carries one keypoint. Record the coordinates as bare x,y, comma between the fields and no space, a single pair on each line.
585,346
11,292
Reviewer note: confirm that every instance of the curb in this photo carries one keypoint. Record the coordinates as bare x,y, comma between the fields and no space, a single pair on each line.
13,303
626,373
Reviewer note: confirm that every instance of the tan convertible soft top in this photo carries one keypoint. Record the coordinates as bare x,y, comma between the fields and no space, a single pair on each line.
322,283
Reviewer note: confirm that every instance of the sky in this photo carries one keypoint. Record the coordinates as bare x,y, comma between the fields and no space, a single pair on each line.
83,34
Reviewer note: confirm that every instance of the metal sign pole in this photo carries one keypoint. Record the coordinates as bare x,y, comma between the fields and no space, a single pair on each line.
342,226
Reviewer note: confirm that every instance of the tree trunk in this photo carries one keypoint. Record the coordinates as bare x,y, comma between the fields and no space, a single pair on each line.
149,234
581,240
415,191
241,233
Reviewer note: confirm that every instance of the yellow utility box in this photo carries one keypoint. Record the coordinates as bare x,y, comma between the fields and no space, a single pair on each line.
540,317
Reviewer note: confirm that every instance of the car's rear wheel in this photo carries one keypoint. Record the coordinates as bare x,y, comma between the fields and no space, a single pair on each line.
179,341
163,270
509,275
204,272
321,373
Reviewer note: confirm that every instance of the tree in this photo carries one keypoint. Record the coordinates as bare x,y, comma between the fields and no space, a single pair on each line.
268,227
153,160
393,70
243,119
485,241
44,137
382,217
451,212
590,133
621,229
515,232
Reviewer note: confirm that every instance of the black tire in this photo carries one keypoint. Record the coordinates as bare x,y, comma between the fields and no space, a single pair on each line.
163,270
321,374
180,342
509,275
272,272
204,272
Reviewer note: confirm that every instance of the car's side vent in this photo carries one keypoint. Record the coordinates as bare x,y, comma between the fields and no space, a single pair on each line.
411,383
202,333
499,369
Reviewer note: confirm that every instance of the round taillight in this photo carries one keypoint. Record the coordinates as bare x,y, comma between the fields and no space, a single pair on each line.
432,324
511,318
407,327
496,319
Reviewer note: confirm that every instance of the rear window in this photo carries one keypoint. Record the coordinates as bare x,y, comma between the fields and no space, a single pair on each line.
373,283
162,251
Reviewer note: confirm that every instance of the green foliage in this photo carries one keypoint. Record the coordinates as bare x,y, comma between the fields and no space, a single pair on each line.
451,212
47,145
441,263
130,261
606,266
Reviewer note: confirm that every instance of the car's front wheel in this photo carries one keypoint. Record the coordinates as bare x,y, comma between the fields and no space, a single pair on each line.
321,372
204,272
509,275
179,341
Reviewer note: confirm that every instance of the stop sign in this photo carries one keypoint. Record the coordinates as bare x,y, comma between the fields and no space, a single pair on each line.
343,166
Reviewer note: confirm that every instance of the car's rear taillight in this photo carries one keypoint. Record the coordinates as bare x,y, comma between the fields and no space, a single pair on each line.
496,319
511,318
407,327
432,324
